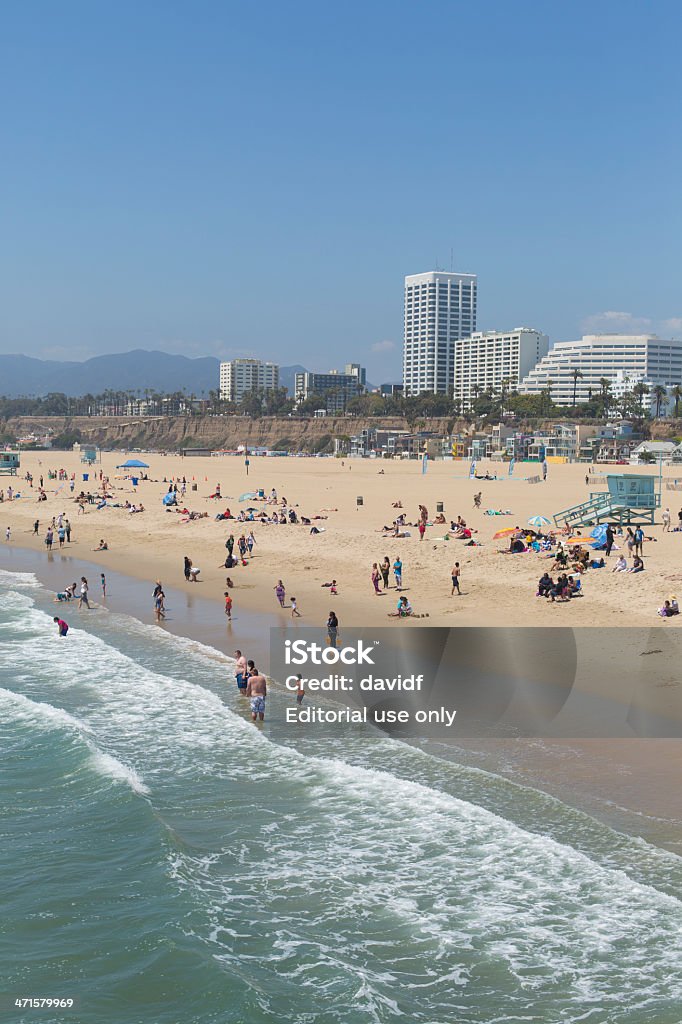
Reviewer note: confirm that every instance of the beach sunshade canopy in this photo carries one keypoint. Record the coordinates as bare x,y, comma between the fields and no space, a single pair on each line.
504,533
539,521
133,464
599,532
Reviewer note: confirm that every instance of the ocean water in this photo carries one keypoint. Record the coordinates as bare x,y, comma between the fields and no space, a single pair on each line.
165,861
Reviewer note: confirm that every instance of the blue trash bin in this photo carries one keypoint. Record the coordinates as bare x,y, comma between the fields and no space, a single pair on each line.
85,476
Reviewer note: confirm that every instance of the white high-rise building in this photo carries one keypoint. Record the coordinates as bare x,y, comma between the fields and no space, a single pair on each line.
598,356
440,308
239,376
492,359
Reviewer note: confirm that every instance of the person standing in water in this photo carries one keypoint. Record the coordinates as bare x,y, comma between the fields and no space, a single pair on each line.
257,691
103,582
62,627
83,599
240,671
228,605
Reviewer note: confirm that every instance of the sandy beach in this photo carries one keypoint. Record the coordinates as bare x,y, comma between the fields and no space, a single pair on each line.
497,589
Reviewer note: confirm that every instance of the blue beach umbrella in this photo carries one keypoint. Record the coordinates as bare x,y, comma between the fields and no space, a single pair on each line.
598,533
539,521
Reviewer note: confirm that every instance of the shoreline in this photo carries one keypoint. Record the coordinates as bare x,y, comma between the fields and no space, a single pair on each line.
628,785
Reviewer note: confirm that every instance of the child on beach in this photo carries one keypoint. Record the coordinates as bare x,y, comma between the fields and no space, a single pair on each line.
294,610
228,604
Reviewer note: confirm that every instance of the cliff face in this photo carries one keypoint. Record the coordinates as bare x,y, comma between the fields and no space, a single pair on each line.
159,432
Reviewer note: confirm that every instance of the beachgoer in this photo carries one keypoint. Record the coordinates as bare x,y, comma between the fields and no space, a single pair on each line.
332,629
610,538
294,610
240,671
477,499
83,598
103,584
385,569
621,565
639,540
637,565
159,603
36,526
376,576
8,534
62,627
257,691
665,516
398,573
228,604
280,593
456,573
300,692
49,536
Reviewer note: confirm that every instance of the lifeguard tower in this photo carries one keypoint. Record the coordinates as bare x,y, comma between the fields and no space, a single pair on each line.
9,463
630,499
90,456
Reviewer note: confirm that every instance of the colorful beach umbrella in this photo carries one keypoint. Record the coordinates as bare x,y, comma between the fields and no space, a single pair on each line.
539,521
504,533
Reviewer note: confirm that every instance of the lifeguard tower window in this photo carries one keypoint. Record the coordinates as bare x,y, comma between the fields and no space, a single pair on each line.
9,463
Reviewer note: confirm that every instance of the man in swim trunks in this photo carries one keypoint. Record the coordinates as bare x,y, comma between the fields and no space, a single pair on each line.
257,691
240,671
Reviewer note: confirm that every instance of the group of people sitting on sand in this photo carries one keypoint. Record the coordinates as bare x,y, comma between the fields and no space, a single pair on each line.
669,608
622,564
564,588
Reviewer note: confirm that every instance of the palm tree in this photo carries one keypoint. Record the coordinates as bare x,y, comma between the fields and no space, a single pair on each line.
640,390
576,375
676,392
660,394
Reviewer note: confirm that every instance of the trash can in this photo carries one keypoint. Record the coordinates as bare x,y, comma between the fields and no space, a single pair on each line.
359,500
135,479
85,476
194,487
439,506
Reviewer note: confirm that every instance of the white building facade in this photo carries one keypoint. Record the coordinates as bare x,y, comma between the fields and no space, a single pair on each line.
240,376
608,356
440,308
495,358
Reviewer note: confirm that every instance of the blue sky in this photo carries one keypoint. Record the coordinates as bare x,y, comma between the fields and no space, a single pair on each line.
223,178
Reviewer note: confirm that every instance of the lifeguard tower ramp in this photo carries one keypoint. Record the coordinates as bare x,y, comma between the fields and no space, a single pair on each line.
9,463
630,499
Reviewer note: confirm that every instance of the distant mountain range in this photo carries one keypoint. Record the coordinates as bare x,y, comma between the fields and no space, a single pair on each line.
125,371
